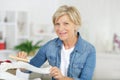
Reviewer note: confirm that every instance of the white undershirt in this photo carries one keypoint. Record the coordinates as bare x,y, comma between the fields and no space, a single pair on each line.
65,57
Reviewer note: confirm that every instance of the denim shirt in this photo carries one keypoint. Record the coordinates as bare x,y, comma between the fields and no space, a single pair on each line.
82,58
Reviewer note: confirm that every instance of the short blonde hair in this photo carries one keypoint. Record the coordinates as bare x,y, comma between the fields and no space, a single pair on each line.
71,11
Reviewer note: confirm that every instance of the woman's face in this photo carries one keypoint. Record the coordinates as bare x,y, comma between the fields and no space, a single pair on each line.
65,28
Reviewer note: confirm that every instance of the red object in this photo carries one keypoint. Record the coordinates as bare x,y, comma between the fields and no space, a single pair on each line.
7,61
2,45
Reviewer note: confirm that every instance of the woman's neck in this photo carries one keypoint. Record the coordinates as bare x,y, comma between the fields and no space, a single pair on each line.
70,43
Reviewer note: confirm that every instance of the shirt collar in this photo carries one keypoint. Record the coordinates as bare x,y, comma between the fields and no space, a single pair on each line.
78,46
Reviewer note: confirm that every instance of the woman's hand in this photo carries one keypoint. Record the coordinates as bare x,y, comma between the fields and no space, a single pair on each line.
56,73
22,55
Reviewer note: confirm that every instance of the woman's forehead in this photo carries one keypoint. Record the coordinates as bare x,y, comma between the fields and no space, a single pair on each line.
63,18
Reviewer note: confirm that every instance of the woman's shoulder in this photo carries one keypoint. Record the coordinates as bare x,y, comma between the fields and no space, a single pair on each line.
89,46
86,45
52,42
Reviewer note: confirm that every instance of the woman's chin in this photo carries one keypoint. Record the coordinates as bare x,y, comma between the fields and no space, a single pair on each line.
63,38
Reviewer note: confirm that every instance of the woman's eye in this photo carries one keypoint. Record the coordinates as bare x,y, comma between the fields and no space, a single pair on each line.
66,23
57,24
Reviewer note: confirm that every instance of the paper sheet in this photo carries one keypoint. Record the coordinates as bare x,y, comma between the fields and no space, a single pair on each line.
5,66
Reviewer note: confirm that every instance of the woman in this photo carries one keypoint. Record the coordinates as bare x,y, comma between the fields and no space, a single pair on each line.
71,57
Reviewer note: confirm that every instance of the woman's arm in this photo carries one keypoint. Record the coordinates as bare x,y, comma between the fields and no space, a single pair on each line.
39,58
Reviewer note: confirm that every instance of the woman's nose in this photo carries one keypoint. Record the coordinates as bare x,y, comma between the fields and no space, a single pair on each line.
61,27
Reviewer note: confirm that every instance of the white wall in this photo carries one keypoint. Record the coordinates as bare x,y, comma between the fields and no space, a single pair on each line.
40,10
115,16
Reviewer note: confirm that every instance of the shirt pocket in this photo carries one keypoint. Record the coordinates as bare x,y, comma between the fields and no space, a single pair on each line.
77,69
52,61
